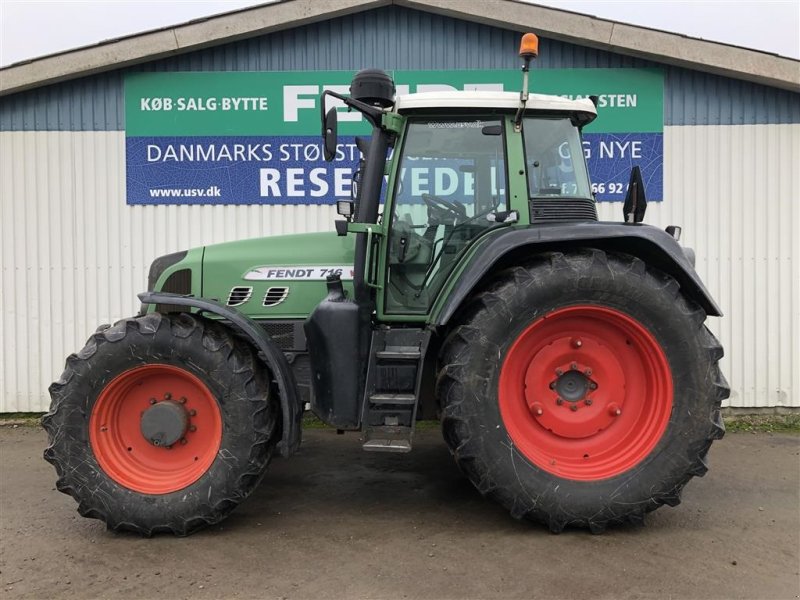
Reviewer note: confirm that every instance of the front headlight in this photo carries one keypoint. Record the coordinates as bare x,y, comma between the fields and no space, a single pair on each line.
160,264
179,282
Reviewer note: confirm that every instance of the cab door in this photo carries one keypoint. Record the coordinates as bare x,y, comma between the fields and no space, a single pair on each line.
450,182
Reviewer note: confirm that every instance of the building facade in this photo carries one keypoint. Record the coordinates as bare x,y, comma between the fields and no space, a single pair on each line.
74,253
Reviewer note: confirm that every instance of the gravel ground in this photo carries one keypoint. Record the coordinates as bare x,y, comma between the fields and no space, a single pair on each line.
335,522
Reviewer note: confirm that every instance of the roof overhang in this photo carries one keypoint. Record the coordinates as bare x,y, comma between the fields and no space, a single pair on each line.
659,46
651,44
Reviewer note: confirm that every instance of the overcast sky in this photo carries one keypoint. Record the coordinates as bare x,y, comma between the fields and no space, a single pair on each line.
33,28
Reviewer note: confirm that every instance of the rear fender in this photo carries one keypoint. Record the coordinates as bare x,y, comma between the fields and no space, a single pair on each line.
511,246
291,409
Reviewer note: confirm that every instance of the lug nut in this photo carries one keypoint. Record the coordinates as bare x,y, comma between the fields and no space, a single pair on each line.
576,343
614,410
574,366
182,400
559,401
192,412
155,442
592,385
559,372
588,402
573,407
183,441
552,385
152,400
192,428
167,396
587,372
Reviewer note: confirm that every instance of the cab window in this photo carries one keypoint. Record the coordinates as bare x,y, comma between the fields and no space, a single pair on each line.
554,157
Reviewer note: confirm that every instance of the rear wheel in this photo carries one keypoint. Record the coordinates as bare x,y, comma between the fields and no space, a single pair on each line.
581,389
161,423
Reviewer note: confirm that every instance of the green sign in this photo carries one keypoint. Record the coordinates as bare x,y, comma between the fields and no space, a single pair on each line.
287,103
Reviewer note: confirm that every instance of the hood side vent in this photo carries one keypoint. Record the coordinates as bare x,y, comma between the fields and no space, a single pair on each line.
275,295
239,295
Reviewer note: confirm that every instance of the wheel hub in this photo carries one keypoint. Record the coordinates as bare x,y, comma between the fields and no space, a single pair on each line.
584,380
572,386
164,423
155,428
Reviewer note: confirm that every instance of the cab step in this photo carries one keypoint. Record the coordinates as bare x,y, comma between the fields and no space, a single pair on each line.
391,396
388,439
385,398
399,353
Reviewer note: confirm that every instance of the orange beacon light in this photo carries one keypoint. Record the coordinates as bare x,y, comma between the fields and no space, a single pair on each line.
529,46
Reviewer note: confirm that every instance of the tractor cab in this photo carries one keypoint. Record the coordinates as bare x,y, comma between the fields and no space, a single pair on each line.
453,182
459,165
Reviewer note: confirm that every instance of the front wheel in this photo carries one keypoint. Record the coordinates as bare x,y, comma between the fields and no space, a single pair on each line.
581,389
161,423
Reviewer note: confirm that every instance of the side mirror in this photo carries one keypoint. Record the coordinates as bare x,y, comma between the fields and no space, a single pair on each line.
635,202
329,137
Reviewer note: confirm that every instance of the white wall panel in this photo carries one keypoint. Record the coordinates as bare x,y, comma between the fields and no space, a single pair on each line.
735,190
74,255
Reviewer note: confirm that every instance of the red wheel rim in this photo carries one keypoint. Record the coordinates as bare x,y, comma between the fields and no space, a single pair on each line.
585,392
125,454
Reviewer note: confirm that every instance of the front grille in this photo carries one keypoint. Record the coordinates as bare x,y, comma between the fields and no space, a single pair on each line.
275,295
563,209
179,282
239,295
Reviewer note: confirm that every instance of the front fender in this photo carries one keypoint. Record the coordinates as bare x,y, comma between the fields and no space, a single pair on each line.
291,408
654,246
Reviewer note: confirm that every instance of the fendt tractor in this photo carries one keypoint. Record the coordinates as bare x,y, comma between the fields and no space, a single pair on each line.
567,358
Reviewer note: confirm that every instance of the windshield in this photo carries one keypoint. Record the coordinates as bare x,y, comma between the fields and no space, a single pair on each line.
554,157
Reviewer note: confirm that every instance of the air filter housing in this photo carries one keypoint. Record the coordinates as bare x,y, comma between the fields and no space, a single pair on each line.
373,87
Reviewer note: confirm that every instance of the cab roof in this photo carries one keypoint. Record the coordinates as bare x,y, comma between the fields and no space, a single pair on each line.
502,100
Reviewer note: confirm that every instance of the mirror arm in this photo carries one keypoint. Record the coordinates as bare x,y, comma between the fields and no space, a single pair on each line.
372,113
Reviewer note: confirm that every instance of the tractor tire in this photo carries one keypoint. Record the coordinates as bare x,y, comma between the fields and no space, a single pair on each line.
581,389
162,423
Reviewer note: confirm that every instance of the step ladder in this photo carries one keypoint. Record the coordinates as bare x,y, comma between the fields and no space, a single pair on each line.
391,397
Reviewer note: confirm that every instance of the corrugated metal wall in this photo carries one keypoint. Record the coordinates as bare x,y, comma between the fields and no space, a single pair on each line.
394,38
74,255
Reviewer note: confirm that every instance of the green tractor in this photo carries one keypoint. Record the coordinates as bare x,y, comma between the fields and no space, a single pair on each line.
471,280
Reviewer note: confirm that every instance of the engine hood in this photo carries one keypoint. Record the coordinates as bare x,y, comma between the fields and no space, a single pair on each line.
276,277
